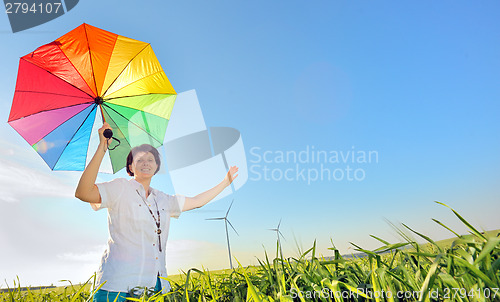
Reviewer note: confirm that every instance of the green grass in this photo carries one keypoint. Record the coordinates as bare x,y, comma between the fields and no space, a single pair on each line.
446,243
464,268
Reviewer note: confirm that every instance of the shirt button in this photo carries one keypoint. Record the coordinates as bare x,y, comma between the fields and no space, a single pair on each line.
153,244
156,258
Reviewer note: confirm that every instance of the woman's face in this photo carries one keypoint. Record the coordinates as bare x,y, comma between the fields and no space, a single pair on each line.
144,165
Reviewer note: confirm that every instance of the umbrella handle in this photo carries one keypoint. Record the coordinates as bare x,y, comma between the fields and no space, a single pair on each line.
108,133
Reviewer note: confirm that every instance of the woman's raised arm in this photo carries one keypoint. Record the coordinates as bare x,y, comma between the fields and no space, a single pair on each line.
87,190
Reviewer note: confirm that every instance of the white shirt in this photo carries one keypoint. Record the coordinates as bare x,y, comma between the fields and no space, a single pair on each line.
132,257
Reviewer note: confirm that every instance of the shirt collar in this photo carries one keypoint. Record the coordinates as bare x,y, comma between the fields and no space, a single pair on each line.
138,186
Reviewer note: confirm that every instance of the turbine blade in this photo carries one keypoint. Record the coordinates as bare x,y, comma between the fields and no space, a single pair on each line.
232,227
229,207
279,224
220,218
279,232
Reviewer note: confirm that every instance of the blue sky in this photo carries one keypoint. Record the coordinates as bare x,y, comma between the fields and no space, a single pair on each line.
418,83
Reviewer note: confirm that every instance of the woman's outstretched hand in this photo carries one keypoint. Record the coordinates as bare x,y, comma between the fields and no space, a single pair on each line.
231,175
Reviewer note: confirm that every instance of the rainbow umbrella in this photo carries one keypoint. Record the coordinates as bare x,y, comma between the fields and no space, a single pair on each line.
67,88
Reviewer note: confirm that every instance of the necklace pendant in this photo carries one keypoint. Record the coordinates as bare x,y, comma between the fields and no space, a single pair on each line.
158,231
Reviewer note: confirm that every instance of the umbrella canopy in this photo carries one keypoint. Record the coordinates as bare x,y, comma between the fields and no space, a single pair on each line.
65,89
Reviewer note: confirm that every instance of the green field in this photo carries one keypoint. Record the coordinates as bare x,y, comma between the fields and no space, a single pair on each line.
463,268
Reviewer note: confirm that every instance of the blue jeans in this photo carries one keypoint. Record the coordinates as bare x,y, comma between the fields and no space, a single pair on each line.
107,296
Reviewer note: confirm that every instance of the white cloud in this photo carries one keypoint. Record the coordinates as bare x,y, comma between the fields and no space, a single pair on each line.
90,256
35,246
22,176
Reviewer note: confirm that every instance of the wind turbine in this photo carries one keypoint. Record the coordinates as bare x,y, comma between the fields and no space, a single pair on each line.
226,221
278,233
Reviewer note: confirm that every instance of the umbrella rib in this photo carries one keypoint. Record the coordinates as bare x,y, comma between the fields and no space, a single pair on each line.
136,108
59,46
128,96
91,63
25,116
73,135
53,93
132,123
125,67
161,143
61,78
139,80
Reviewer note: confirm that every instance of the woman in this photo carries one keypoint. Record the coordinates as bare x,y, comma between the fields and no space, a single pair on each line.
138,220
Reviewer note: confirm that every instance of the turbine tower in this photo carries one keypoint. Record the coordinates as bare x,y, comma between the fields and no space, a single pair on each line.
278,233
226,221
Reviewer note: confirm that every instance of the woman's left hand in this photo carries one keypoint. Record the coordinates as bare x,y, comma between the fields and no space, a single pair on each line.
231,175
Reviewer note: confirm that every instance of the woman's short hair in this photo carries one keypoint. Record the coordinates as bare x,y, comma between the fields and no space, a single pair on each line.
143,148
